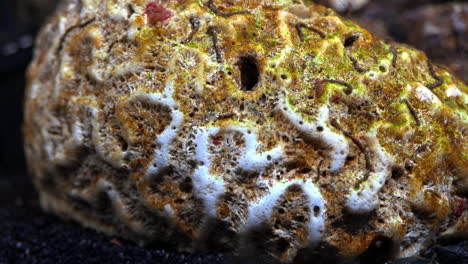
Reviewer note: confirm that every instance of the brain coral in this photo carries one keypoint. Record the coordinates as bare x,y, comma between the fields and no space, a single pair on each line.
272,127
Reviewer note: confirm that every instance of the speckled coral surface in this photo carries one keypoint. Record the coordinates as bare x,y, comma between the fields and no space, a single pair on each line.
248,126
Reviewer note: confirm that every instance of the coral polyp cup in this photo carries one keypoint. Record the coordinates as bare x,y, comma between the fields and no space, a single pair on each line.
269,127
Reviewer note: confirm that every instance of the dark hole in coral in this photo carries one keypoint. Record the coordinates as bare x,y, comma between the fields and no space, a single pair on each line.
349,41
241,107
249,72
124,145
316,210
397,172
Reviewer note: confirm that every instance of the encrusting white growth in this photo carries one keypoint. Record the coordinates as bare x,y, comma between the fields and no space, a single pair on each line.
260,211
317,210
453,91
169,133
365,198
251,160
425,95
319,131
208,187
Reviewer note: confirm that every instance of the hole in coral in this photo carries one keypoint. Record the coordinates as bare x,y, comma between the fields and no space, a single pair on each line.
124,146
349,41
319,129
316,210
397,172
249,72
284,76
241,107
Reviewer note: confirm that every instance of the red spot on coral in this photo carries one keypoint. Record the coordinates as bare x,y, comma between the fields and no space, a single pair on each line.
458,206
157,13
216,141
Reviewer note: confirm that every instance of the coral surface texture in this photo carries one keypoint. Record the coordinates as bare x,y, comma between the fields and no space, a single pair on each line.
271,127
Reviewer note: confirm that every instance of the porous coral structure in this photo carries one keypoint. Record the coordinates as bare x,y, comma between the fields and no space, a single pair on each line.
269,126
